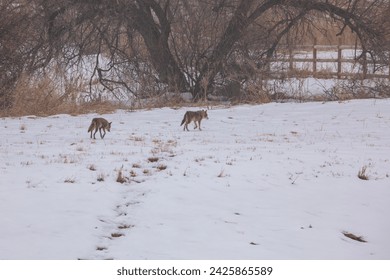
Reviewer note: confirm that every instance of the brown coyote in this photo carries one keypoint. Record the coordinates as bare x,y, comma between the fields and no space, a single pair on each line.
196,117
99,124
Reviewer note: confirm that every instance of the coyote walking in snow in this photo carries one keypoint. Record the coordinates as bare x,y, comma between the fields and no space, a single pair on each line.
196,117
99,124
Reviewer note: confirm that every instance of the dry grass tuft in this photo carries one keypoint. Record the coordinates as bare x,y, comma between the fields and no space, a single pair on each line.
116,234
125,226
70,180
153,159
100,177
362,173
161,167
354,237
133,173
137,138
100,248
120,178
221,174
146,171
92,167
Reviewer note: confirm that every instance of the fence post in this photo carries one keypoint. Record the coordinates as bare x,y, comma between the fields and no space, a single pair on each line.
339,57
291,59
364,66
315,58
389,59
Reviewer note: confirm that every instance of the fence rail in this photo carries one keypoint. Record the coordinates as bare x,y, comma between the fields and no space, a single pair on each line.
341,62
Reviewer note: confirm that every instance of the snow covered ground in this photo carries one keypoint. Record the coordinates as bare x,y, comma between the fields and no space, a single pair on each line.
273,181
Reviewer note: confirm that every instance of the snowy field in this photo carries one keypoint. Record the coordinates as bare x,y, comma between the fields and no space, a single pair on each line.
273,181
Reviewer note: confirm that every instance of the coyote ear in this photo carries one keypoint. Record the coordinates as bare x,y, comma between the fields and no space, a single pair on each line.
110,122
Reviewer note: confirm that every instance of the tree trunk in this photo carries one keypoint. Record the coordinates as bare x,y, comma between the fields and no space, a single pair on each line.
244,15
155,33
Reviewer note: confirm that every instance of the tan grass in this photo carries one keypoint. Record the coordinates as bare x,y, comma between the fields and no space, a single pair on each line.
153,159
125,226
41,97
133,173
161,167
146,171
120,178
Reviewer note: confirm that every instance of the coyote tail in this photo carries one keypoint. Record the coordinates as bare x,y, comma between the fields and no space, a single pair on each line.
184,119
91,127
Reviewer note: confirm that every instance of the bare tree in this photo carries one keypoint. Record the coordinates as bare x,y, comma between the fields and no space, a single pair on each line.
13,46
180,45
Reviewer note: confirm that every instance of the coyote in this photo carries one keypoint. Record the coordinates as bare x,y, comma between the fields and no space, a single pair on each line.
99,124
196,117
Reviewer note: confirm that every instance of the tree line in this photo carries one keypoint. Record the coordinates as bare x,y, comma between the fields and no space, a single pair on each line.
173,45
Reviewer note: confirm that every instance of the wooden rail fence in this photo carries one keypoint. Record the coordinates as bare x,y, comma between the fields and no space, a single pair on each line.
361,67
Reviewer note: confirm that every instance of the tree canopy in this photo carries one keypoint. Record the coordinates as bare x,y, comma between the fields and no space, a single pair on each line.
174,45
